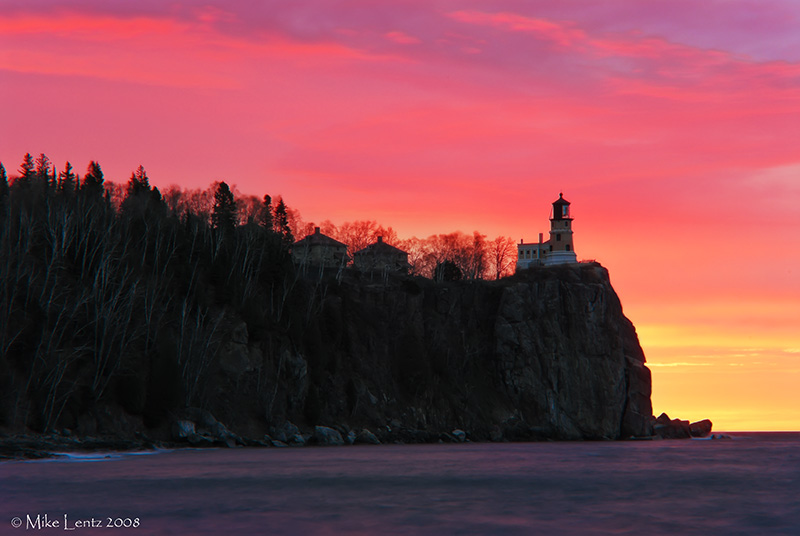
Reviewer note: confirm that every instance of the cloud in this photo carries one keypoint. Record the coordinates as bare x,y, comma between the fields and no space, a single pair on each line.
562,34
158,51
402,38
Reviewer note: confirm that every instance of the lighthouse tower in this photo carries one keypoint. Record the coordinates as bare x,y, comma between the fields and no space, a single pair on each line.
561,248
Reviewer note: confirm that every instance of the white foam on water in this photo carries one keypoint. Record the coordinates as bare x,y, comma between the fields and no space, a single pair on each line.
100,456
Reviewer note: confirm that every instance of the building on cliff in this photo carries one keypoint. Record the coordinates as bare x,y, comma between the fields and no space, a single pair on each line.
319,250
559,249
383,257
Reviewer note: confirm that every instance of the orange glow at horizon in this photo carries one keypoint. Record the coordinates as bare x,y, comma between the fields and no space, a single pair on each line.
676,143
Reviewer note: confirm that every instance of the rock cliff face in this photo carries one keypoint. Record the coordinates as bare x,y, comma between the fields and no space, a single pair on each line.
547,354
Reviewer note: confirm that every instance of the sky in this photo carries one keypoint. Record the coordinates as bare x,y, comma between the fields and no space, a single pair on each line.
672,126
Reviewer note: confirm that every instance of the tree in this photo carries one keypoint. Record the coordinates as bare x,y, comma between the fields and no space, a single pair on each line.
26,169
92,185
281,222
223,216
43,172
248,208
447,271
501,253
3,187
266,213
67,181
475,257
139,183
417,255
43,165
155,197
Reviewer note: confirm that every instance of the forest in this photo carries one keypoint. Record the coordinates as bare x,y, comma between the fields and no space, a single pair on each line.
100,279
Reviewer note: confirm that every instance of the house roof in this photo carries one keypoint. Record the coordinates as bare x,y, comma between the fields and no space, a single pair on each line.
380,247
319,239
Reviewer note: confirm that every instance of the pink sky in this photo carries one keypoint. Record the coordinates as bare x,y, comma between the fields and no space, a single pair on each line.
672,126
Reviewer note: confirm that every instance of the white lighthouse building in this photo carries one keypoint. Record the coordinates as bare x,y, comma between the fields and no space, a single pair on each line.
559,249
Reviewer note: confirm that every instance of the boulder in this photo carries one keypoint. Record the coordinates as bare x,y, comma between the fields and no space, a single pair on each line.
284,432
700,428
663,419
201,417
200,429
367,437
297,440
460,435
327,436
667,428
182,429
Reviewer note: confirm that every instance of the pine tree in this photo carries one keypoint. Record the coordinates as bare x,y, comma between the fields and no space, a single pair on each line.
92,185
223,216
43,173
51,179
281,221
66,181
138,183
266,213
3,187
26,169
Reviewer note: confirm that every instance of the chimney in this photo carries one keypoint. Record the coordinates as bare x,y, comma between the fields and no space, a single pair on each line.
541,237
380,240
316,230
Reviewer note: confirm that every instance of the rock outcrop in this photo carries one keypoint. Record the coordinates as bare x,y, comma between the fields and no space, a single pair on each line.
327,437
667,428
199,428
545,354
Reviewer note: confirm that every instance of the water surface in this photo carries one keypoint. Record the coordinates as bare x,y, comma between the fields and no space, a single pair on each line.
748,485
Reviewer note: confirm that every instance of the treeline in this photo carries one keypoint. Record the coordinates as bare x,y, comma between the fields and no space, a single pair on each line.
125,291
471,256
108,292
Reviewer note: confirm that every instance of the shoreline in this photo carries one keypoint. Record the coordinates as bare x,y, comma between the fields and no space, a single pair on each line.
41,447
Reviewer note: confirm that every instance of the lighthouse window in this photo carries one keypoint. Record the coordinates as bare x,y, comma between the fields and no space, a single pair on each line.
558,238
567,247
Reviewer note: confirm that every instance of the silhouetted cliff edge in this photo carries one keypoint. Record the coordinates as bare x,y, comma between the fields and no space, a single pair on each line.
545,354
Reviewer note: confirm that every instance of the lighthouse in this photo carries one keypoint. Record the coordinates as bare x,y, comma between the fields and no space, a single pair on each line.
561,248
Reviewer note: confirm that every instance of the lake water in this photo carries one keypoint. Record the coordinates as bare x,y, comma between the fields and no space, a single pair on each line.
747,485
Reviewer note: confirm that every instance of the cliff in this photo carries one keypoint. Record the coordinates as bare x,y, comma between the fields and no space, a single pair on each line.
547,354
122,325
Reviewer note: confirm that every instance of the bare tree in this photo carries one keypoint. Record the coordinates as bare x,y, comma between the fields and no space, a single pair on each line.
502,255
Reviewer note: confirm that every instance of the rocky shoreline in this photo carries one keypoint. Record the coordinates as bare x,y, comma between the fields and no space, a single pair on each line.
199,429
667,428
544,355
